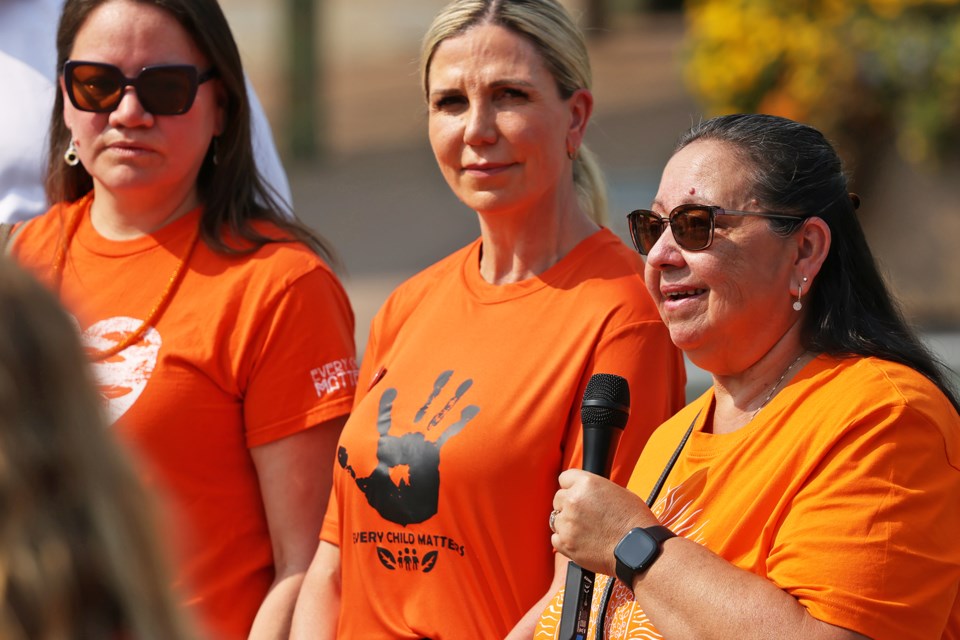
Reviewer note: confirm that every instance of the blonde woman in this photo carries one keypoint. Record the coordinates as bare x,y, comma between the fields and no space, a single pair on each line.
471,384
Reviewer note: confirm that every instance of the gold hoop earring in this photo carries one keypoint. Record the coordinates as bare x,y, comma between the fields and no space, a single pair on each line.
797,305
70,156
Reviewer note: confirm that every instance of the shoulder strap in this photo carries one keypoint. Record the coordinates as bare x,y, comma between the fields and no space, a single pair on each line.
9,232
672,461
608,591
5,229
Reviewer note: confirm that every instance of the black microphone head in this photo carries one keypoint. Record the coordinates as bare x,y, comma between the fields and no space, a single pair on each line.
606,401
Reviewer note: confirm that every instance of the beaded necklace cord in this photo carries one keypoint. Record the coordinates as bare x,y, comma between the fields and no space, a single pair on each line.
60,260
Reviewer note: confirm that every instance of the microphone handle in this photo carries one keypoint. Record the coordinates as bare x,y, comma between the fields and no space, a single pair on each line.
577,597
599,447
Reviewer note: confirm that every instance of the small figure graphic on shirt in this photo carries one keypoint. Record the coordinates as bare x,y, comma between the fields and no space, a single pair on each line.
407,560
405,485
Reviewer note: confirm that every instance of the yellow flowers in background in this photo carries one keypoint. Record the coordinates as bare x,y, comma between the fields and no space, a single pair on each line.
853,68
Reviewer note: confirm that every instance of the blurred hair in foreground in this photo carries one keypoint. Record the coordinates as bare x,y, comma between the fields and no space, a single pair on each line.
78,556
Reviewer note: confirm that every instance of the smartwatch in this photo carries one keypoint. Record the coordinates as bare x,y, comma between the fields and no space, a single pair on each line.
637,551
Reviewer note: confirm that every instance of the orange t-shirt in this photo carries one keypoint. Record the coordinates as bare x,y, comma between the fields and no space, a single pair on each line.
449,463
250,349
844,492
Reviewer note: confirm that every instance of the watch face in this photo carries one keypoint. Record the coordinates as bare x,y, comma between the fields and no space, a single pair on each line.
637,549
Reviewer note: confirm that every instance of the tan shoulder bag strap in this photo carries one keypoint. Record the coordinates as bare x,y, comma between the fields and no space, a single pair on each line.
8,233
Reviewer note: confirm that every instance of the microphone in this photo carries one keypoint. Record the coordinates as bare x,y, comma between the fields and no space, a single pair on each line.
603,413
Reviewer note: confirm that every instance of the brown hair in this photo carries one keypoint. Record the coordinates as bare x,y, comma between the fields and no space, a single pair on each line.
78,554
233,193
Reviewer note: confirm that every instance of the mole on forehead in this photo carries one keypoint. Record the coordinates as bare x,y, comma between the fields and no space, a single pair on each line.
693,191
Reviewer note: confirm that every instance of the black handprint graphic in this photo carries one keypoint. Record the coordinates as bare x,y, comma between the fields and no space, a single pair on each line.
415,501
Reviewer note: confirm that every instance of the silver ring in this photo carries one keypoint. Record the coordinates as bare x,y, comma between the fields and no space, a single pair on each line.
553,520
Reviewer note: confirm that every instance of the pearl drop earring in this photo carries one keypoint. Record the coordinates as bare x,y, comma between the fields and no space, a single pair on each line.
797,305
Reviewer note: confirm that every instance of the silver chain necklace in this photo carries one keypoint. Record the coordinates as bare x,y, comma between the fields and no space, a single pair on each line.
776,385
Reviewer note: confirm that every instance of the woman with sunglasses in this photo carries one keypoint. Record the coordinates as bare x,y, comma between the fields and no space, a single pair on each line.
29,72
220,337
812,492
471,385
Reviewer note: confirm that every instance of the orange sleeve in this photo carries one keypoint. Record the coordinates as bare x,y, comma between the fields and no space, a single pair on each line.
304,370
642,354
865,542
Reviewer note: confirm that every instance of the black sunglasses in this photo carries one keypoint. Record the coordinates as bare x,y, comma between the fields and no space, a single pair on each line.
692,225
163,90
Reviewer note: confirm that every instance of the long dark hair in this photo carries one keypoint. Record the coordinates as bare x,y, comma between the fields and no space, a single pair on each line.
233,193
851,311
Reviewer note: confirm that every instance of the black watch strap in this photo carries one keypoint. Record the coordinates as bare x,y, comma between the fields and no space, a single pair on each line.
638,550
660,533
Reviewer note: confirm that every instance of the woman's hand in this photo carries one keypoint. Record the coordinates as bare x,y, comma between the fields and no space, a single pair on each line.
594,514
295,480
689,592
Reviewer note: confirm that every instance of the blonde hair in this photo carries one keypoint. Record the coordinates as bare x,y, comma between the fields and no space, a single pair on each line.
78,556
548,26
